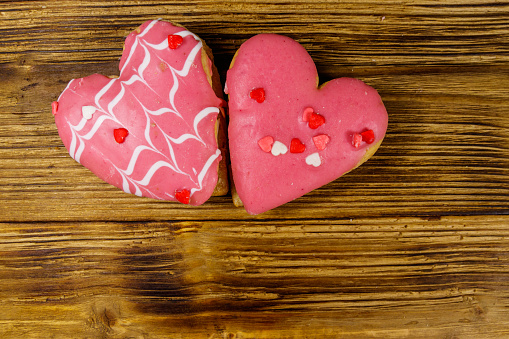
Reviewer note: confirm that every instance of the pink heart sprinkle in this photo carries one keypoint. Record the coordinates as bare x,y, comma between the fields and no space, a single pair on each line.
54,107
356,140
307,113
265,143
321,141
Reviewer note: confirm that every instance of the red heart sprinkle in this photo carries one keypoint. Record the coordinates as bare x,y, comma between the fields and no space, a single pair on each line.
120,134
54,107
307,112
258,94
321,141
368,136
183,196
316,120
296,146
356,140
174,41
265,143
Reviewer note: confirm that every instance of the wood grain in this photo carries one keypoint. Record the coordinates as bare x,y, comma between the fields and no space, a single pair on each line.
413,244
387,277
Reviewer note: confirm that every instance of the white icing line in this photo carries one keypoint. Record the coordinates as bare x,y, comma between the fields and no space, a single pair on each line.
170,148
126,188
153,169
173,89
148,28
133,47
131,53
81,148
103,91
115,101
205,169
96,126
160,46
188,33
66,88
183,72
167,137
147,132
72,147
125,183
199,117
79,126
90,134
74,133
161,111
183,138
132,80
132,162
172,153
189,61
145,63
138,191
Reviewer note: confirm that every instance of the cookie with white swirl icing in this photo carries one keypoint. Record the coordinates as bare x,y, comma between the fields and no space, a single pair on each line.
156,129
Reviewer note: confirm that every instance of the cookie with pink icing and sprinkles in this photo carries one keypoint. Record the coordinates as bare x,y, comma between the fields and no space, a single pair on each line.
287,134
154,130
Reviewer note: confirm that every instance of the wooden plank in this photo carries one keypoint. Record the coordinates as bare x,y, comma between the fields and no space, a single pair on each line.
414,243
389,277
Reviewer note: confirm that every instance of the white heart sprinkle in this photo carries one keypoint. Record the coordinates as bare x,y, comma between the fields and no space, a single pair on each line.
314,160
87,111
278,148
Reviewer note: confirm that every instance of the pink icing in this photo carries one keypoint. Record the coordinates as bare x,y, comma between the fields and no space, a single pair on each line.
286,72
165,102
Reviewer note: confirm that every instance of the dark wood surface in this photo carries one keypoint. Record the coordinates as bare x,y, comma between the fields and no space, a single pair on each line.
413,244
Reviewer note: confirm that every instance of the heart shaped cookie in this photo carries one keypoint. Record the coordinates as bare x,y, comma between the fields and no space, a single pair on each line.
275,102
153,130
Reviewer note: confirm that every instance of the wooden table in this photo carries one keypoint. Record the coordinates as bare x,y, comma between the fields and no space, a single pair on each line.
413,244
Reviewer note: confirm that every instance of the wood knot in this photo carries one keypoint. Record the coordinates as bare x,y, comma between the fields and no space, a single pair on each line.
103,318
